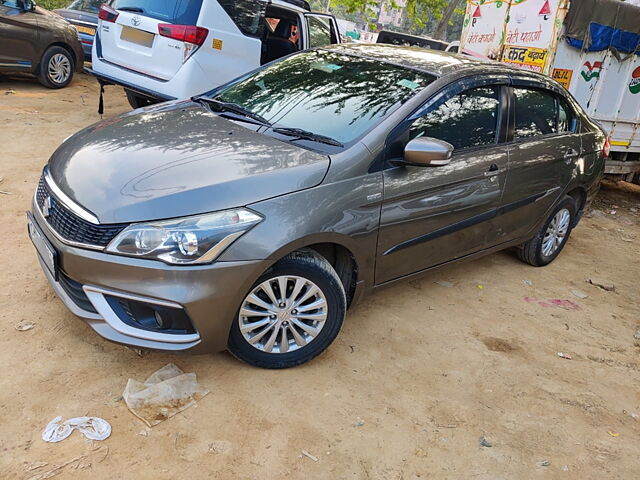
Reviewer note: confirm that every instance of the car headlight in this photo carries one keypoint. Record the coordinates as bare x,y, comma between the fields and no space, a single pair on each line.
189,240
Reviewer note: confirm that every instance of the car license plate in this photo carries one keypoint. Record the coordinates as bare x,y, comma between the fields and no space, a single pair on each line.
87,30
43,247
139,37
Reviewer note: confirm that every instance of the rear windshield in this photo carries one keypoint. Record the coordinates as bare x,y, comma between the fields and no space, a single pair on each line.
180,12
89,6
331,94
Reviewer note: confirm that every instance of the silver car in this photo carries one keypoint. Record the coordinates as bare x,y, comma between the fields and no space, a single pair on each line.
252,217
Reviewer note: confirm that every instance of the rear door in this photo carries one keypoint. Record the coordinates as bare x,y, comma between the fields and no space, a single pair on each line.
431,215
146,35
321,30
18,37
543,156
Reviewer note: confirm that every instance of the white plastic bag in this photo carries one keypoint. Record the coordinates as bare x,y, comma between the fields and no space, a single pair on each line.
93,428
162,395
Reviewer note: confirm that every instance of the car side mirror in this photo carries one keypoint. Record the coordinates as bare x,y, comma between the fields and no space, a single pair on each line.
427,152
28,5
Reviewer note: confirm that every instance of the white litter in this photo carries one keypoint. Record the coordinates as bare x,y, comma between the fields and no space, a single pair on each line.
93,428
166,392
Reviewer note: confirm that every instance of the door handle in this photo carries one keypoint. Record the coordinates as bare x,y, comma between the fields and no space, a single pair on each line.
493,171
569,155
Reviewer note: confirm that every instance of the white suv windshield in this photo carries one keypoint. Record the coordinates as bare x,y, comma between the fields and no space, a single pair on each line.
335,95
180,12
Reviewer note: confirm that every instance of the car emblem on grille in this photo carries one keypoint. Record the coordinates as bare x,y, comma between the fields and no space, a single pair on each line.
47,205
135,21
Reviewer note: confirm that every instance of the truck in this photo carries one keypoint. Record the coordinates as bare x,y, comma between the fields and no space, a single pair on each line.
591,47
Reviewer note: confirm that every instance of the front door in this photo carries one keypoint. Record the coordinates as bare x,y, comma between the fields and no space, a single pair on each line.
18,36
431,215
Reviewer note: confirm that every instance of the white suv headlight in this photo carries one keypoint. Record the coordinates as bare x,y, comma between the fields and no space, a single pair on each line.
188,240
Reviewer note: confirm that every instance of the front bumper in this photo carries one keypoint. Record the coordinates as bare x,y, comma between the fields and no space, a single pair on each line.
209,294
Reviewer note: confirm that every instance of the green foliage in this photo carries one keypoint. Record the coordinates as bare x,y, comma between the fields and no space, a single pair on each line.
53,4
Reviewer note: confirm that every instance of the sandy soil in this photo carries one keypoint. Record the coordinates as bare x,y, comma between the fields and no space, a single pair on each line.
418,375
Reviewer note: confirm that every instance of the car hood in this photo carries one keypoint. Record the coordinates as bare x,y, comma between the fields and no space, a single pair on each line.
175,160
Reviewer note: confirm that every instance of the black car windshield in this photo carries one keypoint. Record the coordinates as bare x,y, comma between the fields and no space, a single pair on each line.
327,93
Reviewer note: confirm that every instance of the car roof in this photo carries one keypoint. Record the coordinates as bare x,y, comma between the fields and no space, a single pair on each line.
434,62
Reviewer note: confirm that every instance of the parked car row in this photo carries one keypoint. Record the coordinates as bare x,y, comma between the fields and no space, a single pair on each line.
155,50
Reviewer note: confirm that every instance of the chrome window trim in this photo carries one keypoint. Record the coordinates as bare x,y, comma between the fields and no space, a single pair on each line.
67,202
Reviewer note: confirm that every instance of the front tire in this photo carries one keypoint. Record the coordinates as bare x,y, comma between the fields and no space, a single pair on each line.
291,314
56,68
542,249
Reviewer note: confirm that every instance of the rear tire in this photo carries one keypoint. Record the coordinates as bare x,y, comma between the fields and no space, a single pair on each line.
56,68
287,336
542,249
138,101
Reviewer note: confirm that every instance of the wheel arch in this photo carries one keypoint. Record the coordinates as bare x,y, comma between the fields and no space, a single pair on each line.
338,250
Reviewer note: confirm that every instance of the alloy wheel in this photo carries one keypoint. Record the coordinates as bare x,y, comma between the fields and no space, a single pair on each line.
283,314
556,232
59,68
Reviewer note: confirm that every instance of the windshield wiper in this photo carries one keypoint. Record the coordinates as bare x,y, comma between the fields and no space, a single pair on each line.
307,135
132,9
235,108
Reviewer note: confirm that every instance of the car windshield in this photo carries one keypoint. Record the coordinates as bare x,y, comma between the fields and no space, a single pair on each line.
89,6
335,95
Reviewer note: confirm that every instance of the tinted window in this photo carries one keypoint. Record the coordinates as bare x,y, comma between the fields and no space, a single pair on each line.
89,6
336,95
466,120
567,120
181,12
320,31
11,3
535,113
246,14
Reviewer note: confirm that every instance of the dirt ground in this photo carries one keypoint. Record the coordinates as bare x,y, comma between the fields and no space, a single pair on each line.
420,372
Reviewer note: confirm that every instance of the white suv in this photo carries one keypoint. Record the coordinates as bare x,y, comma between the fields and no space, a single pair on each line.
170,49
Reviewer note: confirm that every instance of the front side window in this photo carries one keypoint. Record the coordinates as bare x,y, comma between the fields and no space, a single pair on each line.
11,3
331,94
320,31
469,119
535,113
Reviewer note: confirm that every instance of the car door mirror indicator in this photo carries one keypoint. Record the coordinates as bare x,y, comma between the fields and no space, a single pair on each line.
427,152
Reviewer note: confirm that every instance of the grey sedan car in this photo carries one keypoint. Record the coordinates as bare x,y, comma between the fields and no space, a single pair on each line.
252,217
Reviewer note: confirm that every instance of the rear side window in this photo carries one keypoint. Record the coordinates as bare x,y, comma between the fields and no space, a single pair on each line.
567,119
248,15
466,120
180,12
535,113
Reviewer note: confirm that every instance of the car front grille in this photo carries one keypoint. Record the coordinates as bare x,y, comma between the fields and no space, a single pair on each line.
70,226
75,292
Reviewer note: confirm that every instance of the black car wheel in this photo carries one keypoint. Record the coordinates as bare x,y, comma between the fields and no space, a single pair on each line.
552,237
56,68
138,101
291,314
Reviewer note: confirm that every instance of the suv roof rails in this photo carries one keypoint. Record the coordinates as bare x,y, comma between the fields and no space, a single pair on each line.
299,3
